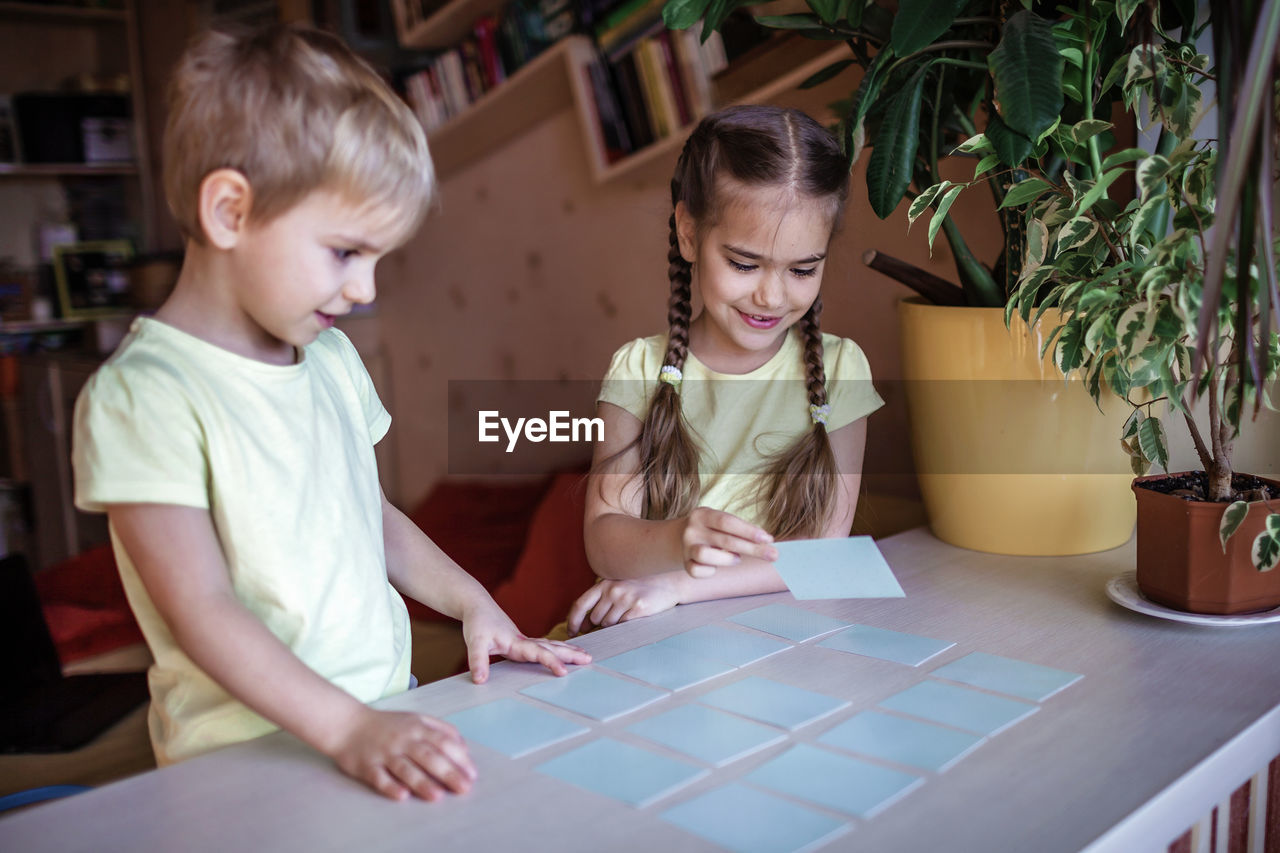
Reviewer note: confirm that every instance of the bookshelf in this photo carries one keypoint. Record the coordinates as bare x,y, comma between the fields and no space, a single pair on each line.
558,78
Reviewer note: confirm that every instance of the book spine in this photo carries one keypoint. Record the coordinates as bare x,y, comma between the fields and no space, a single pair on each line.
631,94
675,83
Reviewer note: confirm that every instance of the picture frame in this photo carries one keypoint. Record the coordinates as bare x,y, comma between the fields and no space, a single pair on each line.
92,278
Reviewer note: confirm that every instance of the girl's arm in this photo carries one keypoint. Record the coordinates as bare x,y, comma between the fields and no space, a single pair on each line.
613,601
418,568
620,544
176,552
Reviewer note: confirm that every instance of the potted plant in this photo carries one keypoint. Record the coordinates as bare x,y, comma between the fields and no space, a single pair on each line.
1170,297
934,71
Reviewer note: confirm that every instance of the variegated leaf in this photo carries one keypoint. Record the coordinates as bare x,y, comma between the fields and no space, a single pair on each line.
1133,329
1266,549
1152,441
940,215
1231,520
1151,172
921,202
1083,131
1037,244
1075,233
1132,423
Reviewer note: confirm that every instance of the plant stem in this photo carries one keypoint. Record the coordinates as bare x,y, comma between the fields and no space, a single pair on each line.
1095,156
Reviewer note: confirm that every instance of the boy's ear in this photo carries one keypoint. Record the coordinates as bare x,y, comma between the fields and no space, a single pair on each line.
686,233
225,201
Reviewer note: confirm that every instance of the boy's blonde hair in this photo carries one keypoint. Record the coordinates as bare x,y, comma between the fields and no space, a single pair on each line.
293,110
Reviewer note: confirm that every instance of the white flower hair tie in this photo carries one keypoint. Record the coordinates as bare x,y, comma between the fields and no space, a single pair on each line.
820,413
671,375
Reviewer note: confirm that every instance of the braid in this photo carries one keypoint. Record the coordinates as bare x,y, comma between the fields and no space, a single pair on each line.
815,376
668,452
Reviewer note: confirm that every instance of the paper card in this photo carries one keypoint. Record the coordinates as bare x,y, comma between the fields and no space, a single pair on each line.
880,643
728,645
957,706
851,567
1006,675
835,781
513,728
708,735
744,820
791,623
773,702
622,771
902,741
594,694
666,666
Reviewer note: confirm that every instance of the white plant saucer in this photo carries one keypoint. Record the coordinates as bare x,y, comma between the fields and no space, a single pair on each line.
1123,590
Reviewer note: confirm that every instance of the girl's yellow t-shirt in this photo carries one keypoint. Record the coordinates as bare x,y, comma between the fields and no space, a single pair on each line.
741,419
282,457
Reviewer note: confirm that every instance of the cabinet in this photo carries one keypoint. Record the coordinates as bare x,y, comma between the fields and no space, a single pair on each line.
558,78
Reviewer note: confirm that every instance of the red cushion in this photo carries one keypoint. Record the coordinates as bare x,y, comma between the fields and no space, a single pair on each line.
89,579
553,569
85,606
482,526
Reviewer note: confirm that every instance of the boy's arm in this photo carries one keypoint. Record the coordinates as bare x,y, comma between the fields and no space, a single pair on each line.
418,568
621,545
176,552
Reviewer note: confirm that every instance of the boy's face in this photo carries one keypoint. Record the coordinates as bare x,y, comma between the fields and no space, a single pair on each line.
300,271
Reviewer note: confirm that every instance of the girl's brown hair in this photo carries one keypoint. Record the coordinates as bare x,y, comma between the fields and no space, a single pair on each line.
755,146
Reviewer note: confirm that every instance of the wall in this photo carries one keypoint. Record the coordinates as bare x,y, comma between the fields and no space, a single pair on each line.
529,272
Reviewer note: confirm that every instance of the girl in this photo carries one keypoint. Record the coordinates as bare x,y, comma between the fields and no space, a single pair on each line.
746,424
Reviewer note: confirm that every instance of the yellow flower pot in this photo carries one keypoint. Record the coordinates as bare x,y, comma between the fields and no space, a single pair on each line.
1011,457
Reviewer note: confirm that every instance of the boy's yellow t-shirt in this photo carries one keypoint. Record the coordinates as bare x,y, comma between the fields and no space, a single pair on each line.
282,457
742,419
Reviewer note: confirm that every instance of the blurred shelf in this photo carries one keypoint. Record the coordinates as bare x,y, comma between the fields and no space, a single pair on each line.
444,27
67,170
66,12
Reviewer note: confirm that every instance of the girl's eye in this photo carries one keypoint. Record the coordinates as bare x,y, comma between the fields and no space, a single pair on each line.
804,273
345,254
740,267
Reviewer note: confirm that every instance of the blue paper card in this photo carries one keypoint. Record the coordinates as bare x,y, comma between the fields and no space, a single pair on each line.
773,702
727,645
957,706
621,771
513,728
594,694
711,736
851,567
666,666
790,623
744,820
886,645
1006,675
835,781
903,741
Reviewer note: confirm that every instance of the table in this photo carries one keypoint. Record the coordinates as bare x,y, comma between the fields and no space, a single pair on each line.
1168,719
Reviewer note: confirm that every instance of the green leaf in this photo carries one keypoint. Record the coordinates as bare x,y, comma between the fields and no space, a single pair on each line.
1152,441
1132,423
919,22
1125,9
1128,155
1097,190
864,98
682,14
787,22
1027,70
1012,147
1024,191
941,214
986,163
1231,519
974,144
826,74
1072,56
827,10
890,167
1083,131
1266,550
921,202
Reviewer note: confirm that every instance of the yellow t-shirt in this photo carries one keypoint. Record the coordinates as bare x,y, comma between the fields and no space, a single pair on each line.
741,419
282,457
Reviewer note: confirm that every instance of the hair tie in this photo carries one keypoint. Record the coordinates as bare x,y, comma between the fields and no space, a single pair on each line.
671,375
820,413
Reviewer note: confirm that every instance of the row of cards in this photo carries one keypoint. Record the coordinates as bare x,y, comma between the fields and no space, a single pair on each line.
933,724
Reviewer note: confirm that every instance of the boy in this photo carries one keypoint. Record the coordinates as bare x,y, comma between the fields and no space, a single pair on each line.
230,439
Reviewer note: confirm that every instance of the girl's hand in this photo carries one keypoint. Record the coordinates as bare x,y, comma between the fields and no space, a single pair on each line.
612,601
489,631
713,538
398,754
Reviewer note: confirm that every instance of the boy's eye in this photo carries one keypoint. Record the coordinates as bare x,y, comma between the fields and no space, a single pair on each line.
740,267
345,254
803,272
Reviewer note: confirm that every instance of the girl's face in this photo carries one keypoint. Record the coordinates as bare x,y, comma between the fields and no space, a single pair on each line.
758,270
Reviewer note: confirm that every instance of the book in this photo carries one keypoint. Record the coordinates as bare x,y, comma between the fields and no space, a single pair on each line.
631,96
675,83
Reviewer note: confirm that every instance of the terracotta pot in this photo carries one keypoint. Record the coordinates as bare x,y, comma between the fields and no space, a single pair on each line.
1011,458
1181,563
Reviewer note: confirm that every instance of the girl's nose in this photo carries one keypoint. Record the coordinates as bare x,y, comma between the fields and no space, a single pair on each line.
359,288
770,291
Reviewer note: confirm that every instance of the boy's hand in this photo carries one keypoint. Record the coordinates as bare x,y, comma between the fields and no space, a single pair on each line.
398,754
713,538
491,632
612,601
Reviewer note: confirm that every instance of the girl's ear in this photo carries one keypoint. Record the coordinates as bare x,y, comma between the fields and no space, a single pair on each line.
686,233
225,201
